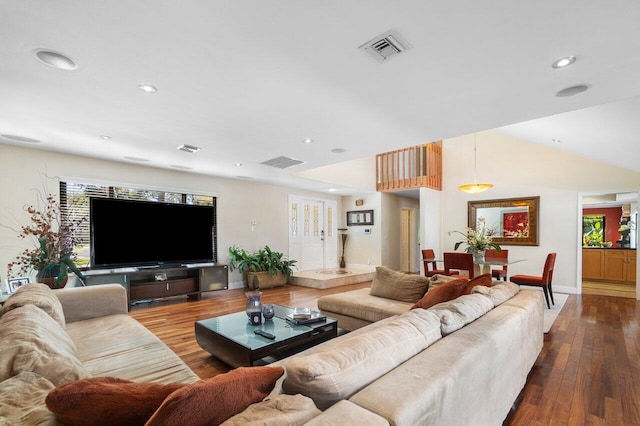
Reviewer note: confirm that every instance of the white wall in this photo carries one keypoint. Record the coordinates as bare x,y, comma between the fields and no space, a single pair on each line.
363,250
520,169
22,171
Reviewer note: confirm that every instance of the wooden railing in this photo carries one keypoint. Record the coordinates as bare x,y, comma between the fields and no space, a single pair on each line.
407,168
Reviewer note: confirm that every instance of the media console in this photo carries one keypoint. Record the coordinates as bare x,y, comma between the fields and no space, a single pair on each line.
155,283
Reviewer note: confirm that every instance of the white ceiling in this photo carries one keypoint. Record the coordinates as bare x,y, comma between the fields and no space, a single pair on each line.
248,80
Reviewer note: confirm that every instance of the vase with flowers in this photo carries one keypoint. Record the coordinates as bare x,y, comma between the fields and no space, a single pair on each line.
54,240
477,240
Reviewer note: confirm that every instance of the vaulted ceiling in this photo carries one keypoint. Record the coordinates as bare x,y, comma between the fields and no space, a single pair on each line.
248,81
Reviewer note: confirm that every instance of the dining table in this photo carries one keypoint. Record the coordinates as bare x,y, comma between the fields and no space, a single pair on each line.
479,265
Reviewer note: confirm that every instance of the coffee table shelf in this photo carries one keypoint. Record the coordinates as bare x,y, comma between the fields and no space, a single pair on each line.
231,338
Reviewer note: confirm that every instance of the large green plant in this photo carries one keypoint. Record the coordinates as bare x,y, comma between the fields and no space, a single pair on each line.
264,259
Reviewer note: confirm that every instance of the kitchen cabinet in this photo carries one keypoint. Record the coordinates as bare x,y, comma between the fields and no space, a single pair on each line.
605,264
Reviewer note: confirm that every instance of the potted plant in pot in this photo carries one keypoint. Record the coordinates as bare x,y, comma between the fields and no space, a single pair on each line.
54,241
263,269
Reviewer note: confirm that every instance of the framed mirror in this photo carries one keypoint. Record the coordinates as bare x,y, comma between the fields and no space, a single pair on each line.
512,221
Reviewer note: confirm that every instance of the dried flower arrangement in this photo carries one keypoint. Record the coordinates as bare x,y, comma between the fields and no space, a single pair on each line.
53,255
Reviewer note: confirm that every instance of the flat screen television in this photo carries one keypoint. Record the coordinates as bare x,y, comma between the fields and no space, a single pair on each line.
142,234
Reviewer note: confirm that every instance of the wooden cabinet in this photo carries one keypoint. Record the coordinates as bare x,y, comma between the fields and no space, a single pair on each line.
592,264
616,265
147,284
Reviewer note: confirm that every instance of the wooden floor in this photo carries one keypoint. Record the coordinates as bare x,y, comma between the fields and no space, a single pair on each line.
609,289
587,373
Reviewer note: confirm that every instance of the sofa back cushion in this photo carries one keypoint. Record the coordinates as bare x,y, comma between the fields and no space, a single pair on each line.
461,311
331,375
30,340
499,293
483,280
396,285
39,295
437,280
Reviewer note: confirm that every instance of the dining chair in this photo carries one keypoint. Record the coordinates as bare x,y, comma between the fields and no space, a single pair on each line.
544,281
459,262
428,259
495,254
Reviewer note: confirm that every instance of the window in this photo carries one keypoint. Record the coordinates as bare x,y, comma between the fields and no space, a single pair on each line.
74,207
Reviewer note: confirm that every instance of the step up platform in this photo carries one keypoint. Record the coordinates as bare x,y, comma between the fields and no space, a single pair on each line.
329,278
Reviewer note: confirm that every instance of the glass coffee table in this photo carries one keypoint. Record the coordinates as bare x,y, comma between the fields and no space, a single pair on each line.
231,338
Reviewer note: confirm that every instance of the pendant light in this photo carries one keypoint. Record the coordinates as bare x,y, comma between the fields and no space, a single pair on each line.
474,188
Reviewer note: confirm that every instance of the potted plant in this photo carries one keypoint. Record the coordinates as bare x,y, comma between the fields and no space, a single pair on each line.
263,268
477,240
54,241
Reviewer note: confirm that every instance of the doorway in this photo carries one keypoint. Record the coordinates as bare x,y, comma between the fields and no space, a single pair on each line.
608,244
313,239
407,241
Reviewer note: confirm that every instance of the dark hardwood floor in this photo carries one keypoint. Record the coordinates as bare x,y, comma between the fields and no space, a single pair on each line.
587,373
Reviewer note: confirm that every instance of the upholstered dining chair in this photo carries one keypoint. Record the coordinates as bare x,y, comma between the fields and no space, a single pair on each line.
544,281
430,268
454,262
498,274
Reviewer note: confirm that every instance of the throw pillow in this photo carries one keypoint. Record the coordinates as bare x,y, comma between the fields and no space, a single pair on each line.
442,293
484,279
107,401
30,340
39,295
437,280
396,285
214,400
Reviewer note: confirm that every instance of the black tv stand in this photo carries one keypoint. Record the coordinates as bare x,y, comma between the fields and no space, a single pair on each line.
145,283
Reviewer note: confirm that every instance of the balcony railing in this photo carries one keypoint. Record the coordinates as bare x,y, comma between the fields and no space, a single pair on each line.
415,167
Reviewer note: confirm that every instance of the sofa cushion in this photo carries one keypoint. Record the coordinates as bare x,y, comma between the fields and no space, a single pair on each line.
437,279
331,375
362,305
214,400
107,401
39,295
461,311
282,410
21,398
396,285
483,280
30,340
442,293
498,293
346,412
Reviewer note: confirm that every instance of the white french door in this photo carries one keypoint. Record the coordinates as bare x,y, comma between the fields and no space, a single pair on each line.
313,238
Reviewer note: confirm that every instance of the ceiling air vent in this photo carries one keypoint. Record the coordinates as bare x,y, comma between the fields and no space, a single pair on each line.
189,148
385,46
282,162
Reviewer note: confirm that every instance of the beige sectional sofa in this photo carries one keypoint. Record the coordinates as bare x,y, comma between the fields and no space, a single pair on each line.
461,362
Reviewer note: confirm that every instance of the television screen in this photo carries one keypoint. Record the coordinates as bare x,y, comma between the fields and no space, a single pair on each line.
140,233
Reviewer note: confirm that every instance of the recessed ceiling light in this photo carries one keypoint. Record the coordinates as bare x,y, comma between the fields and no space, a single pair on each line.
338,150
105,137
179,167
564,62
332,190
55,59
307,141
572,91
138,159
20,138
147,88
237,164
556,140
